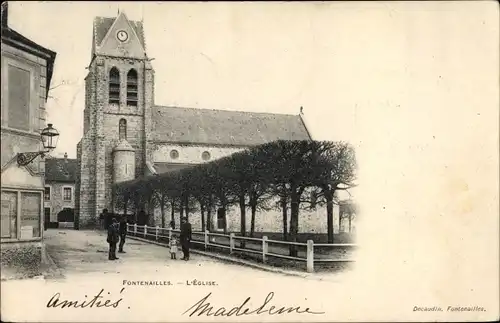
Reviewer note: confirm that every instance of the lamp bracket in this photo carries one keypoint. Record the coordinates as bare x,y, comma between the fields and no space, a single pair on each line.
23,159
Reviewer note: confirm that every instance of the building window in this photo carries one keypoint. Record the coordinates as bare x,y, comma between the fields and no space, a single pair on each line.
114,86
67,193
122,129
21,209
19,81
9,214
30,214
205,155
174,154
47,194
132,88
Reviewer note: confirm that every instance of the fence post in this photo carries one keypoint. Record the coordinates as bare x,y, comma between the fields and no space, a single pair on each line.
135,229
169,234
206,239
310,256
264,248
145,230
156,233
231,242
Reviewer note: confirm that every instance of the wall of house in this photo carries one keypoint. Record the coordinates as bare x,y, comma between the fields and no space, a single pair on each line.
57,202
18,251
14,141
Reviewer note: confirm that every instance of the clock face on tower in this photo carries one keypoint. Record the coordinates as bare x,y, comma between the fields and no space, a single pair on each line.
122,35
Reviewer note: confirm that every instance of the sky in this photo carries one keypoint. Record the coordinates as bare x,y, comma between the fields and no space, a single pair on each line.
414,86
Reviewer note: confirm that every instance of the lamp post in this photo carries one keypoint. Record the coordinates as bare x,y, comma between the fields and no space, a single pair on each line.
49,138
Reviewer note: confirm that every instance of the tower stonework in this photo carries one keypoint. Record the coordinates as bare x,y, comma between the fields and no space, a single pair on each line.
118,103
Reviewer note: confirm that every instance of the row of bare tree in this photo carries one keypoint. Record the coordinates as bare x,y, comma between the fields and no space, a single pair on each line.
299,173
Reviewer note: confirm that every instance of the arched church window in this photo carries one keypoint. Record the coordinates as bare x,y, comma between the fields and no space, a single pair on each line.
122,129
114,86
132,97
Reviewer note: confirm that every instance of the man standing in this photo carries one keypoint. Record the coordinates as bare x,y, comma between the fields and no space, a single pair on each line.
105,219
185,238
123,233
112,239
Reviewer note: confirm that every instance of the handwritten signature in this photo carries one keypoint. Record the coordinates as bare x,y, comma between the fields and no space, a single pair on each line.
55,301
203,307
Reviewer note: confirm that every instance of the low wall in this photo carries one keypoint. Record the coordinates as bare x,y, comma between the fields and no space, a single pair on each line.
21,259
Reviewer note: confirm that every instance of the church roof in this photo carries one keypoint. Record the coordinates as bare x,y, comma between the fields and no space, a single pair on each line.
60,170
221,127
102,25
123,145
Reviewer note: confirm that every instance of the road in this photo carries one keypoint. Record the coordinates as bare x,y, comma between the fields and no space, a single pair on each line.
83,269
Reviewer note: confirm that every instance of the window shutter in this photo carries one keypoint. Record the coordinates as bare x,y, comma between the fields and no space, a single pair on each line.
19,98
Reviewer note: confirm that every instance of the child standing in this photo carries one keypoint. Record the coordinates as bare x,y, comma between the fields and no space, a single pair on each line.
173,247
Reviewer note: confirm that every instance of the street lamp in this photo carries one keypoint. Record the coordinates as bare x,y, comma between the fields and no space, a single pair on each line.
49,137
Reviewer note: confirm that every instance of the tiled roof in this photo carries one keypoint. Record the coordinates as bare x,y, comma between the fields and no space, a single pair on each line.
102,25
60,170
221,127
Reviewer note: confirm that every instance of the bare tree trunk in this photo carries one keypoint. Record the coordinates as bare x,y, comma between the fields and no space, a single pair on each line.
172,213
162,207
202,209
150,213
252,225
294,221
350,222
125,203
209,219
329,215
243,223
285,218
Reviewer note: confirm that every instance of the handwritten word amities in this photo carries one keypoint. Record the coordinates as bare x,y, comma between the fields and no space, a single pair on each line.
203,307
147,283
95,302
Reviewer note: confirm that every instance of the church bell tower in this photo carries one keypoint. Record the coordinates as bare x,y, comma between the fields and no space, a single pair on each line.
119,90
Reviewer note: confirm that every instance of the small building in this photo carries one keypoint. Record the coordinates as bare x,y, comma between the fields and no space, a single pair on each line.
59,197
26,74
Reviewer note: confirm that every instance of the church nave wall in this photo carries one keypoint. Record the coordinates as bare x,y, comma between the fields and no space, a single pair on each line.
190,154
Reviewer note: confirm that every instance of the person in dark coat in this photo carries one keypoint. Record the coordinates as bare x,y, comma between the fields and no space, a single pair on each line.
185,238
113,237
106,218
123,233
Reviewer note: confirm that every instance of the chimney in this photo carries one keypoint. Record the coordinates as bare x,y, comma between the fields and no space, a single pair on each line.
4,14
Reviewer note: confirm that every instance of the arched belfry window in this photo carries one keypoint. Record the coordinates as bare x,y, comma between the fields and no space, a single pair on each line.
122,129
132,88
114,86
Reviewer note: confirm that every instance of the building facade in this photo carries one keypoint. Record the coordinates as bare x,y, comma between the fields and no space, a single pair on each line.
59,196
26,75
126,135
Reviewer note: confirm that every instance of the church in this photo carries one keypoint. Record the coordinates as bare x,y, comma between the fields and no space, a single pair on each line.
127,135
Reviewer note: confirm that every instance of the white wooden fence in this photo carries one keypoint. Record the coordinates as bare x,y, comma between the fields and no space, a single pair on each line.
205,240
